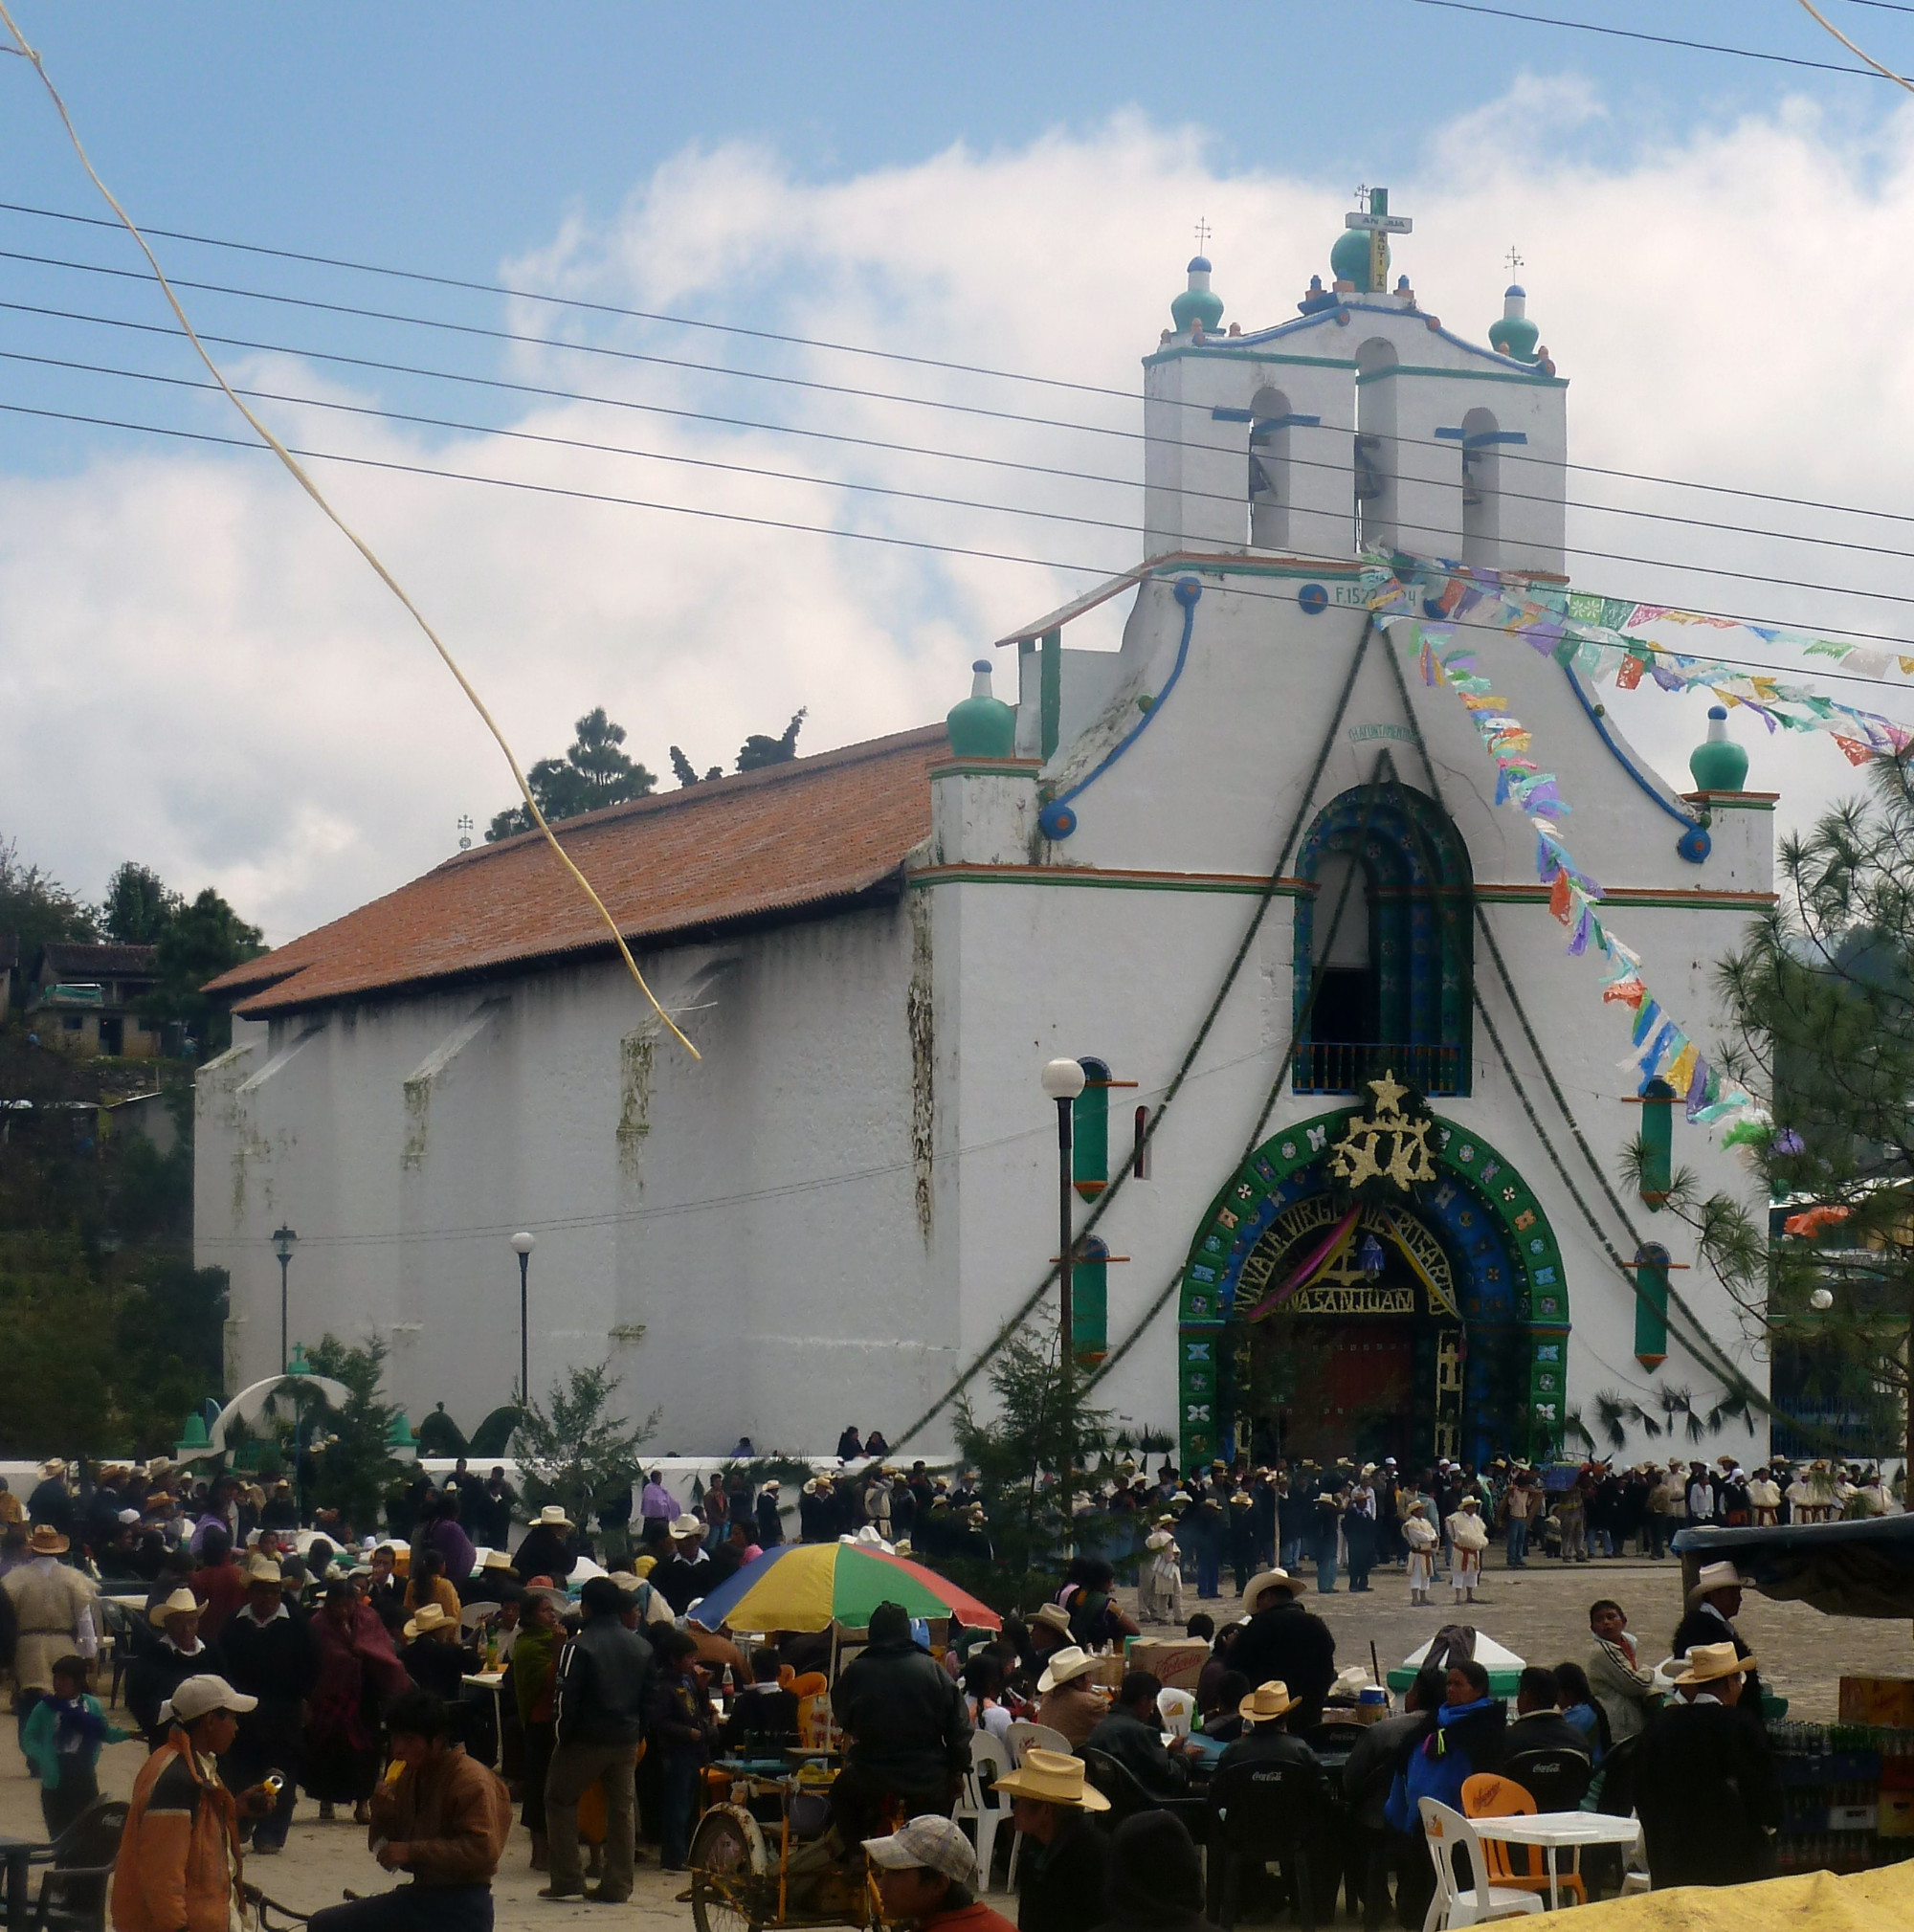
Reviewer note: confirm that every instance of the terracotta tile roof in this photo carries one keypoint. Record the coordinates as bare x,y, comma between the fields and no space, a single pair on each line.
800,836
76,960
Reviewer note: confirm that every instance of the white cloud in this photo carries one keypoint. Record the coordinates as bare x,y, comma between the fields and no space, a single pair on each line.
196,671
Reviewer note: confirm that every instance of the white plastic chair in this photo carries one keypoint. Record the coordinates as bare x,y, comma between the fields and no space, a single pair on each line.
1446,1831
1177,1709
985,1812
1024,1734
474,1614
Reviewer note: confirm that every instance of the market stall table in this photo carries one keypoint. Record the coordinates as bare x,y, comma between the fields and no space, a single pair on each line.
1557,1830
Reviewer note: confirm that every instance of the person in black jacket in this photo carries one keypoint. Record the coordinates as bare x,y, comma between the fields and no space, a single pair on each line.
769,1523
603,1699
1132,1735
1065,1858
1368,1772
266,1652
907,1729
550,1547
1284,1643
1704,1783
169,1653
1713,1604
684,1732
1155,1882
1267,1738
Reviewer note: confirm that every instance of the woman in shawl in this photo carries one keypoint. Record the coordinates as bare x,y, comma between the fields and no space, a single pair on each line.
534,1670
358,1672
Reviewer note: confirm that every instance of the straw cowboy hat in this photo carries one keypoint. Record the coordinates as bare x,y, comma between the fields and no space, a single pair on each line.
426,1619
1418,1507
1053,1778
552,1517
1069,1664
263,1569
687,1526
1269,1580
1708,1663
52,1466
181,1603
1159,1539
1716,1576
771,1488
1053,1616
497,1559
1266,1702
47,1540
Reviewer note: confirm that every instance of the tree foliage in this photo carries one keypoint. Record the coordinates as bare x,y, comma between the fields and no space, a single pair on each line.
1017,1455
595,771
1820,998
138,905
198,943
36,909
757,751
356,1468
577,1449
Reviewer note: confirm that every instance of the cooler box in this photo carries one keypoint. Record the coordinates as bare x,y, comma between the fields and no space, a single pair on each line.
1887,1702
1175,1662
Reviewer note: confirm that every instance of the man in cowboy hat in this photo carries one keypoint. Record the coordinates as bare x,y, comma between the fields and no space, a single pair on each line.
1066,1699
435,1659
178,1868
53,1616
1160,1580
1267,1738
1284,1643
685,1574
1713,1604
550,1546
266,1652
1704,1783
160,1667
1065,1858
1049,1632
50,1501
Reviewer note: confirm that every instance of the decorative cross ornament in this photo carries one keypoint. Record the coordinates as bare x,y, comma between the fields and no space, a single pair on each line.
1387,1144
1203,234
1375,217
1516,264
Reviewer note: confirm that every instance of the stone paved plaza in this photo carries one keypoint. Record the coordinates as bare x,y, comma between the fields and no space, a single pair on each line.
1540,1612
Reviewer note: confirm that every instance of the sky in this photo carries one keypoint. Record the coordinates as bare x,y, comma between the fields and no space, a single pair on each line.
196,672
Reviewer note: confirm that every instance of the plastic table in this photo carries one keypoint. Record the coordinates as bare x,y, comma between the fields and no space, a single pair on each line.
1556,1830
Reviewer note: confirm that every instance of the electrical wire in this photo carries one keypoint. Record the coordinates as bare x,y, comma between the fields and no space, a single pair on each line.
780,428
345,530
1859,52
926,545
1506,456
1654,40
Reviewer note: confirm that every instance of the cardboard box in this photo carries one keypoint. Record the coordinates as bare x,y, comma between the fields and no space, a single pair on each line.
1106,1672
1175,1662
1878,1701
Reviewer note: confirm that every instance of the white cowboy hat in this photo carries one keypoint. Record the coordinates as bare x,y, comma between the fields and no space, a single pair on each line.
497,1559
52,1466
263,1569
427,1618
1053,1616
1269,1580
181,1603
1159,1539
1709,1662
687,1526
552,1517
1267,1702
1716,1576
1053,1778
1068,1665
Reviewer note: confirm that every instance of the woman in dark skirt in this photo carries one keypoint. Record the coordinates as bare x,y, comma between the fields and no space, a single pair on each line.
358,1674
534,1670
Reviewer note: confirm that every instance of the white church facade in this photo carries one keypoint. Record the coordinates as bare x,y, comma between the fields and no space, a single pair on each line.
1250,869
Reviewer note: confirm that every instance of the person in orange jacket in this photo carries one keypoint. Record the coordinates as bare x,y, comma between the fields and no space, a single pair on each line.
178,1865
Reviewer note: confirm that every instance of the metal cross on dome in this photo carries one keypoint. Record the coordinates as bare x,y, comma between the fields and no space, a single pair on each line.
1516,264
1203,234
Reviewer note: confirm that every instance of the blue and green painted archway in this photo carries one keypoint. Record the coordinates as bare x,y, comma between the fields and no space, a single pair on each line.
1478,1199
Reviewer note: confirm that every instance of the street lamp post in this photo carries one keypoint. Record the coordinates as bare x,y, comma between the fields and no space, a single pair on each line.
284,1241
1063,1080
522,1244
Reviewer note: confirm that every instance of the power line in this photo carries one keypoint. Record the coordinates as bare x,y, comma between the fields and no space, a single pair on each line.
1509,456
906,448
926,545
1653,39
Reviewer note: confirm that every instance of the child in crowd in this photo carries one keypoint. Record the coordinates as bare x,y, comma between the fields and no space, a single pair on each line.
62,1743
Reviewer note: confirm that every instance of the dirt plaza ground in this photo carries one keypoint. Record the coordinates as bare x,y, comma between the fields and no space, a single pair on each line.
1540,1612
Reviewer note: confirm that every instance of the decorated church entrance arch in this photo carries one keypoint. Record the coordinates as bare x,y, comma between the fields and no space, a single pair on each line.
1373,1282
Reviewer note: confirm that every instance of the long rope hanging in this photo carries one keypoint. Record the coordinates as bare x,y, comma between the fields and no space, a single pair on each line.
1267,892
339,523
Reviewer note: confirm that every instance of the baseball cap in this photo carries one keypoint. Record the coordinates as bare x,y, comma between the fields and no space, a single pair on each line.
193,1697
934,1843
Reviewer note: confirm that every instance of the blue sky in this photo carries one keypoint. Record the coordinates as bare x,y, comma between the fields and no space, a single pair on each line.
194,673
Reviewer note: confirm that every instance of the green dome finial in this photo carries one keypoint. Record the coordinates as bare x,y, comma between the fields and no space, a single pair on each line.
982,726
1718,764
1198,306
1350,260
1514,335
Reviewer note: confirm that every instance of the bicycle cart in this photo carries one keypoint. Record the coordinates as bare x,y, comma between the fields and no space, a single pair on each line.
762,1858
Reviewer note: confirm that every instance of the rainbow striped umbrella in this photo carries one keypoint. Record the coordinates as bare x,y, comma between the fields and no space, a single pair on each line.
811,1585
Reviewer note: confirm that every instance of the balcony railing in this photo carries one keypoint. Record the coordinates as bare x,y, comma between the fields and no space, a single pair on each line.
1345,1067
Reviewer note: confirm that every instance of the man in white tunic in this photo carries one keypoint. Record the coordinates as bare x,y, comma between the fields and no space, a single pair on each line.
53,1616
1419,1534
1468,1537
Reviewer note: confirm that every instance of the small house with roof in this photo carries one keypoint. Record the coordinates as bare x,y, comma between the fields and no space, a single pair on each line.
1249,868
84,997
